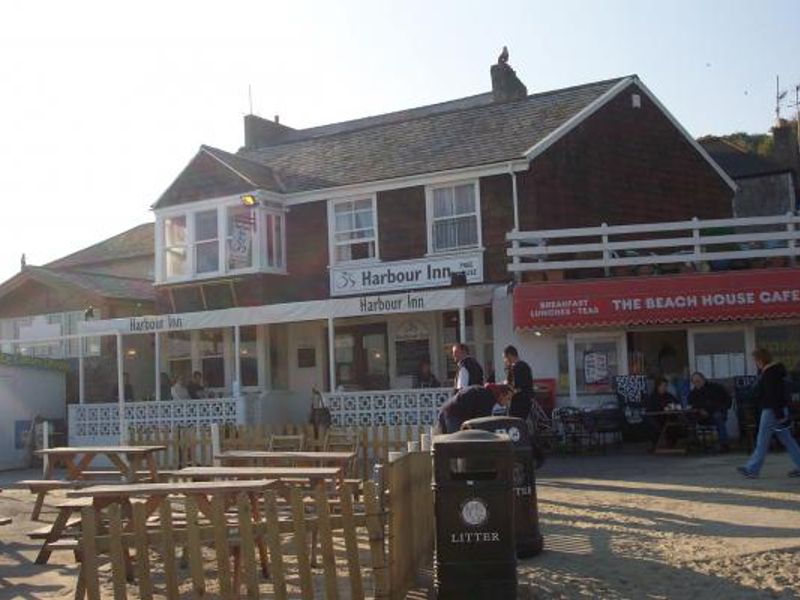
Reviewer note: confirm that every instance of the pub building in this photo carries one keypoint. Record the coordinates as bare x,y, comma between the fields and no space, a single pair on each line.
340,257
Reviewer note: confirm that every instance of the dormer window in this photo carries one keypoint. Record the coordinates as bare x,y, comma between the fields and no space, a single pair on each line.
213,241
354,231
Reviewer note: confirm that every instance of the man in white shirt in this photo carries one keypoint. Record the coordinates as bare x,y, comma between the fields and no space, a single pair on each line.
469,371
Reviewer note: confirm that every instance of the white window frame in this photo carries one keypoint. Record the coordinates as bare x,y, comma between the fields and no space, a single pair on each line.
429,189
195,243
221,205
332,231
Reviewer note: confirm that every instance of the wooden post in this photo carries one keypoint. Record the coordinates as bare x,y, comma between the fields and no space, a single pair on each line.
216,444
45,445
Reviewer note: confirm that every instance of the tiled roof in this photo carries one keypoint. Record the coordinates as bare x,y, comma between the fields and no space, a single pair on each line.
471,132
108,286
737,161
138,241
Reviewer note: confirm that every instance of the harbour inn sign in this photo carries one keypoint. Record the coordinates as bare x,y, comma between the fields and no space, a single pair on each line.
424,273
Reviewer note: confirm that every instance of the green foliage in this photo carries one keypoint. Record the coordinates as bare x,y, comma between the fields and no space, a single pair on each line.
758,143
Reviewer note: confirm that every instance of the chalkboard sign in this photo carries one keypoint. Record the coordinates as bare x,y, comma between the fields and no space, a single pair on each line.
409,354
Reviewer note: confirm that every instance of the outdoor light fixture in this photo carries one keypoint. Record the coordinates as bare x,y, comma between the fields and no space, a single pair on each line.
249,200
131,352
537,333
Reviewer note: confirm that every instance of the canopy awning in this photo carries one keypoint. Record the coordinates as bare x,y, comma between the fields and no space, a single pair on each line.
696,297
292,312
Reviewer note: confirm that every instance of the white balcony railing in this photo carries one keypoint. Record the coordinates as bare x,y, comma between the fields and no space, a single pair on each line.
386,407
695,242
97,424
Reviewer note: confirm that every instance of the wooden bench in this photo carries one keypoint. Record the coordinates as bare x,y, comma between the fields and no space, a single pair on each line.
54,539
41,487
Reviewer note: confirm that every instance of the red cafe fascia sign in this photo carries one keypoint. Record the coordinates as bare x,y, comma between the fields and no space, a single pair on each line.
736,295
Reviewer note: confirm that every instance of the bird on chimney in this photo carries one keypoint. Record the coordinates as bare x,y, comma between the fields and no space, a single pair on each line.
503,58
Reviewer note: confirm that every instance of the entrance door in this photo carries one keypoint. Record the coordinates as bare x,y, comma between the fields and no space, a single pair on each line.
362,357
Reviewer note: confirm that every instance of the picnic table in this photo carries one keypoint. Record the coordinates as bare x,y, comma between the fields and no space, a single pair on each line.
680,420
267,458
154,495
313,474
127,459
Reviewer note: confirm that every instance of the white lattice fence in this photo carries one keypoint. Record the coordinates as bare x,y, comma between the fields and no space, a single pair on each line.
92,424
386,407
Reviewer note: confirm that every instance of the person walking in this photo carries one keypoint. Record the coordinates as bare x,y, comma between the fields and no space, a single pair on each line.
770,395
520,377
472,402
469,371
712,402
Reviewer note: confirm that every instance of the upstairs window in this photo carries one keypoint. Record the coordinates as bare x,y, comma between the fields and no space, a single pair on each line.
175,246
206,247
230,238
354,231
453,217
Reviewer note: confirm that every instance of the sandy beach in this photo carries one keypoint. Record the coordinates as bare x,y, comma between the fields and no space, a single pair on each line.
621,526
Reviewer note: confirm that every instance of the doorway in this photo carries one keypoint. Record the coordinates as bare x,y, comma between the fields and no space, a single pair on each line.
362,357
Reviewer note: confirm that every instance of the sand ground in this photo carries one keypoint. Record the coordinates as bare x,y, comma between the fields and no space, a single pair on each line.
621,526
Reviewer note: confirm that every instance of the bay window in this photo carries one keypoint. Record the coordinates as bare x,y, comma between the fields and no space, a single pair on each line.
229,238
354,230
453,217
206,242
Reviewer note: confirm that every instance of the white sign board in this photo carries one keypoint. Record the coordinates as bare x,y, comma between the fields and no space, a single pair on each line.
402,275
379,304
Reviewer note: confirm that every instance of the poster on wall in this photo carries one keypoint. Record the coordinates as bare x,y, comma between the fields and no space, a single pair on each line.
240,242
595,368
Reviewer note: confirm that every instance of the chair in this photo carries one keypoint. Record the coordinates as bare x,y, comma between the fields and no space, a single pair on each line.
286,443
607,421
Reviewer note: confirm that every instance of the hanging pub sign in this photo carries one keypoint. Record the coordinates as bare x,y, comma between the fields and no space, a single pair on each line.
733,295
405,275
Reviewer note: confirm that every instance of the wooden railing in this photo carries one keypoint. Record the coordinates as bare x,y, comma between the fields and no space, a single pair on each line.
195,446
411,524
223,549
693,242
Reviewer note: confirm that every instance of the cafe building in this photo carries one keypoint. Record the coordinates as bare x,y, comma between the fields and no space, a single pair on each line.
338,258
641,314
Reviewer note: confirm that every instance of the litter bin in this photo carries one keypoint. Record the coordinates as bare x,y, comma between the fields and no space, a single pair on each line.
474,509
526,509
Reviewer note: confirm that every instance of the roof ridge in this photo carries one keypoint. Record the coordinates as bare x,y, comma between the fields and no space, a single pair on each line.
418,117
97,274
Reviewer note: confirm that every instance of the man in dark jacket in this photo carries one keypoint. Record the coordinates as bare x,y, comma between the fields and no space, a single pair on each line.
469,370
520,378
471,403
712,402
770,395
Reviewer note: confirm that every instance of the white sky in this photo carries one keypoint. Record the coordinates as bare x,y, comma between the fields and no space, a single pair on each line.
102,103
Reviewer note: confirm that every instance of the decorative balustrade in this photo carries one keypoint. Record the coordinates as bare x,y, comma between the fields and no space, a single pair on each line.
693,242
92,424
386,407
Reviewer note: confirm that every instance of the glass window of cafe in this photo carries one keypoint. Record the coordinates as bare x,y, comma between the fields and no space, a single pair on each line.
596,365
783,342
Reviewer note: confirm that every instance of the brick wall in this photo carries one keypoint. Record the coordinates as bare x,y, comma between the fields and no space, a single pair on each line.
497,217
621,165
402,231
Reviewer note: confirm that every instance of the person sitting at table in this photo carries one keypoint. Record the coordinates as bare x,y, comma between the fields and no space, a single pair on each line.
195,386
179,390
166,386
712,402
658,402
126,386
425,377
472,402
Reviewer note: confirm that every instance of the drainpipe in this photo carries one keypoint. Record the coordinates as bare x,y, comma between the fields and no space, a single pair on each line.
515,203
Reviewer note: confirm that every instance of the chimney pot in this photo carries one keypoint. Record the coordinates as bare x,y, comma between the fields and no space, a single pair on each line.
506,85
277,119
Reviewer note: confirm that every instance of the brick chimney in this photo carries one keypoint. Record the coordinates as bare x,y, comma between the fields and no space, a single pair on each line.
260,132
786,149
506,86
